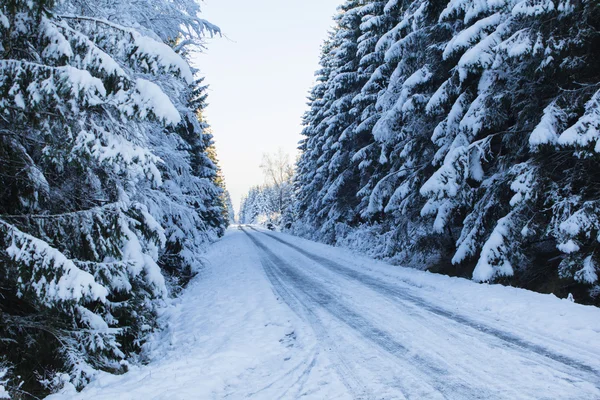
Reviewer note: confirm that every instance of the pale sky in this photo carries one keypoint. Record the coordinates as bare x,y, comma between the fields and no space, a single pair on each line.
259,76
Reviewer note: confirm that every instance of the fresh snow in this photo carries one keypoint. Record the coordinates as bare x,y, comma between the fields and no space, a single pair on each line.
546,132
274,316
587,128
72,284
3,392
472,34
493,261
149,98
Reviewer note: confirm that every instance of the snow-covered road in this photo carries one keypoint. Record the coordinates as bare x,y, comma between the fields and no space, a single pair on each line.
280,317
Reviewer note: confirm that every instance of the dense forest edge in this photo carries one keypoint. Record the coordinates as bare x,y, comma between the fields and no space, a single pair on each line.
461,137
456,136
110,184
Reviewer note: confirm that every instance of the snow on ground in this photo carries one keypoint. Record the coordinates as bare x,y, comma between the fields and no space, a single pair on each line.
541,318
228,336
275,316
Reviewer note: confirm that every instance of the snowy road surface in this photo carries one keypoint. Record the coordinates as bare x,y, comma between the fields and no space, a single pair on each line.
277,317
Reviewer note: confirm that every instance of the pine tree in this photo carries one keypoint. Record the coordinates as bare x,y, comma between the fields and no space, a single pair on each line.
91,148
329,140
472,139
224,202
188,203
309,178
229,208
379,17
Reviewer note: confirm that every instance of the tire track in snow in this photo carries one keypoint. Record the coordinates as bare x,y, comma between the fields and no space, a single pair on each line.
439,379
591,374
302,379
347,375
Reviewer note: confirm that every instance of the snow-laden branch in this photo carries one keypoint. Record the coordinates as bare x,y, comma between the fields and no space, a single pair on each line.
53,277
162,53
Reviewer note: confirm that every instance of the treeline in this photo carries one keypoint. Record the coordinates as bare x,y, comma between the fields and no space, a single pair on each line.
109,188
462,137
271,202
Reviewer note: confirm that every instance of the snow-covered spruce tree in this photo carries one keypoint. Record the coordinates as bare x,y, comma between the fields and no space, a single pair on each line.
338,194
521,69
565,144
376,164
329,145
309,179
189,202
378,19
257,206
222,204
483,117
229,208
87,105
243,211
271,202
410,70
253,209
